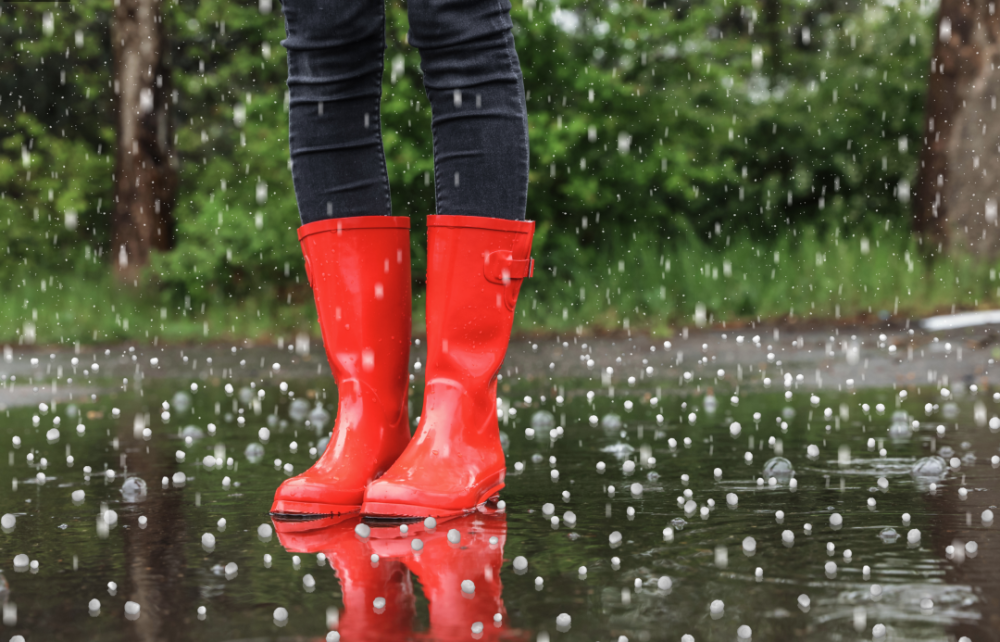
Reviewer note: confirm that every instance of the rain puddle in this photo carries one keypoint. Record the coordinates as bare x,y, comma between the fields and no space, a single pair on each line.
662,510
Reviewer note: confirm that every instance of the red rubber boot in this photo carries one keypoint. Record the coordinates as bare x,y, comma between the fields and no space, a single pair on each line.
359,269
361,582
454,463
442,566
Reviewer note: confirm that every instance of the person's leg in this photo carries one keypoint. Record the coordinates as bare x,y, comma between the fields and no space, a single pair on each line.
335,59
478,254
480,121
357,256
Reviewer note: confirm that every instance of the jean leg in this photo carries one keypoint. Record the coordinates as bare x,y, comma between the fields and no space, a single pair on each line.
480,120
335,60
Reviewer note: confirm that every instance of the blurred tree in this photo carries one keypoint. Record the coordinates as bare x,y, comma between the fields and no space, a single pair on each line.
146,168
955,205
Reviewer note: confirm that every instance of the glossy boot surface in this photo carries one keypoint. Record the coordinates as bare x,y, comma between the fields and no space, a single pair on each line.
361,581
442,566
454,463
359,269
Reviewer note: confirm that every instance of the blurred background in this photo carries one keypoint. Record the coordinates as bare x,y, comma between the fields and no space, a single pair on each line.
692,163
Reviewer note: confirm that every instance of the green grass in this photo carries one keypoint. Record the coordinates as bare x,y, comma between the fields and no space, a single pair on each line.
629,284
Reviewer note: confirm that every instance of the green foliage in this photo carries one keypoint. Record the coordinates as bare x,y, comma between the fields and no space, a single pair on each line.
681,134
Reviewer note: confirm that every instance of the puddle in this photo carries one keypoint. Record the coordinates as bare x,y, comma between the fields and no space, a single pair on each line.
660,523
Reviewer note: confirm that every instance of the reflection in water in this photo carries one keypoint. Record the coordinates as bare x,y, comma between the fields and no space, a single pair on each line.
457,563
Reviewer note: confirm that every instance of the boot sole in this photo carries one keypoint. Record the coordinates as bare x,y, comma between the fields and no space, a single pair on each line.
386,512
290,510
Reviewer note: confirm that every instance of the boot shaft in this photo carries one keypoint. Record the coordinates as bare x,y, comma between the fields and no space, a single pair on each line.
475,267
359,270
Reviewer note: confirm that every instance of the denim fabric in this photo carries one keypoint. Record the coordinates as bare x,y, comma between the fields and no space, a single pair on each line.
471,75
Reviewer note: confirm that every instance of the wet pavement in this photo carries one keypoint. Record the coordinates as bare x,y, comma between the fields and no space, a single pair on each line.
644,503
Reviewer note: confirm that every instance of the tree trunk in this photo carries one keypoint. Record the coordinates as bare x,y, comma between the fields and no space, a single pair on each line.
146,173
956,193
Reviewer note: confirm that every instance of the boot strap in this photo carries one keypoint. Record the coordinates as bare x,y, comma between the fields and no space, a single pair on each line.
501,267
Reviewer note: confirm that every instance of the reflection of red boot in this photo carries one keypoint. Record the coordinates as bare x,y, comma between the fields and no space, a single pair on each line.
359,269
442,566
360,582
454,463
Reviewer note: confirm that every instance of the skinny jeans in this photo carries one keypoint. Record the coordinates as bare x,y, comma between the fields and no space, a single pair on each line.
473,81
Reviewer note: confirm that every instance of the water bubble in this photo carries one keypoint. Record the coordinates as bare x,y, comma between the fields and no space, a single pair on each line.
900,428
543,420
611,422
134,490
932,467
888,535
254,453
779,469
191,434
298,410
181,402
319,417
